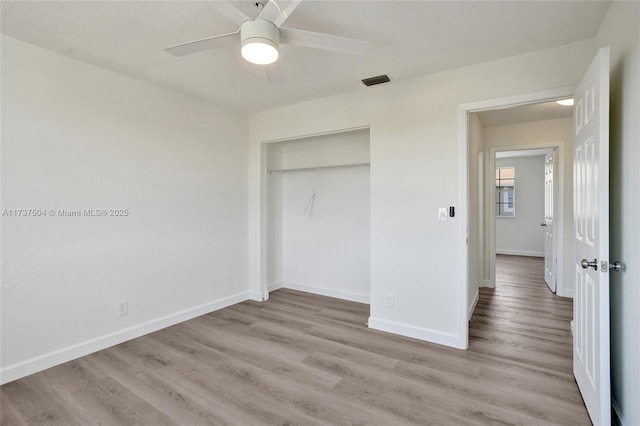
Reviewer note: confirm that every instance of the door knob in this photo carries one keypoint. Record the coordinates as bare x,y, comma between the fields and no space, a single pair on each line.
543,224
617,266
586,264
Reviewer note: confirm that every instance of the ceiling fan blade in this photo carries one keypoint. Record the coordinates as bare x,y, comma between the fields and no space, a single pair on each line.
274,73
322,41
286,12
229,11
270,11
196,45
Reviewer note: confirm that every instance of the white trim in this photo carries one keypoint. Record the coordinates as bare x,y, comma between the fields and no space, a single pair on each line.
274,286
264,268
51,359
520,253
572,327
490,200
258,296
346,295
463,167
518,100
617,414
258,269
559,209
420,333
488,284
472,306
462,279
566,292
316,134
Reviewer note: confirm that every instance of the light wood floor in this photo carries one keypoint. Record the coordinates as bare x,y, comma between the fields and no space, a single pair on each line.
307,359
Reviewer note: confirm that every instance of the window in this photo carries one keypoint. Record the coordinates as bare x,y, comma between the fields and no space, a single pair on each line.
505,191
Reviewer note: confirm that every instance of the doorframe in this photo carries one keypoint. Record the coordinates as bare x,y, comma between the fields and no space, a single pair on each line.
463,175
558,212
262,295
555,201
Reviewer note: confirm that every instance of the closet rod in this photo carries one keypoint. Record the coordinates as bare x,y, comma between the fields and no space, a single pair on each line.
302,169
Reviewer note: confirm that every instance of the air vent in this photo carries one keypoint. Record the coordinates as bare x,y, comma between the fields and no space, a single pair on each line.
379,79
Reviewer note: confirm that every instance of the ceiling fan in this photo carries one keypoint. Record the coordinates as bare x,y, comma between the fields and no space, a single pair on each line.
261,36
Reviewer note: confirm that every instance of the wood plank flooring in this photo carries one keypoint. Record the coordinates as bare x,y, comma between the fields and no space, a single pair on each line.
307,359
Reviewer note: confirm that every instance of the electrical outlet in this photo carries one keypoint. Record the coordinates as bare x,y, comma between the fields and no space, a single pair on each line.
123,308
389,300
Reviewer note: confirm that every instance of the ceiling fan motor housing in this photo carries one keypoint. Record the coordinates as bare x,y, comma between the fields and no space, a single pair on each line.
260,31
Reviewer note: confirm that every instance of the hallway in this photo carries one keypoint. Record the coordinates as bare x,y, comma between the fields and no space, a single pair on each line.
522,323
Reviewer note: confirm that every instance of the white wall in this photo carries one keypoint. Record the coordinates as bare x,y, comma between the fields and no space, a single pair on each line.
75,136
522,235
620,30
414,170
530,135
320,243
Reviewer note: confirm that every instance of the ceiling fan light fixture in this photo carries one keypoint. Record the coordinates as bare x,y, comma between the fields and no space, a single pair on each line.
260,52
260,40
565,102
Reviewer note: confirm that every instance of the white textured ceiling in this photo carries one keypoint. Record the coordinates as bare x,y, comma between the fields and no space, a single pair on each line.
525,114
408,39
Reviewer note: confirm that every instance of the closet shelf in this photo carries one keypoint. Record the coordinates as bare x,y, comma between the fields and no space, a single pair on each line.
304,169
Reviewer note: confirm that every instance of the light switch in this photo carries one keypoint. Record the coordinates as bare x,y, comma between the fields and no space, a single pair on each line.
443,214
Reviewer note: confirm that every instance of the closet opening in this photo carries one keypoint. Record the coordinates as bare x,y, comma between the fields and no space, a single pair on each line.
318,215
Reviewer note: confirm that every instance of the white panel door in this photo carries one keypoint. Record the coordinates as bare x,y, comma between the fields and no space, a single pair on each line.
549,205
591,218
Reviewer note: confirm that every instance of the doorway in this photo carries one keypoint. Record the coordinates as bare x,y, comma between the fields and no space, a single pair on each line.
525,206
512,219
318,213
587,235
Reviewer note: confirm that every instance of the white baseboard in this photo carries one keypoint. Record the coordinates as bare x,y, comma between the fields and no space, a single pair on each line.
565,293
488,283
617,415
340,294
472,307
274,286
520,253
258,296
420,333
51,359
572,327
